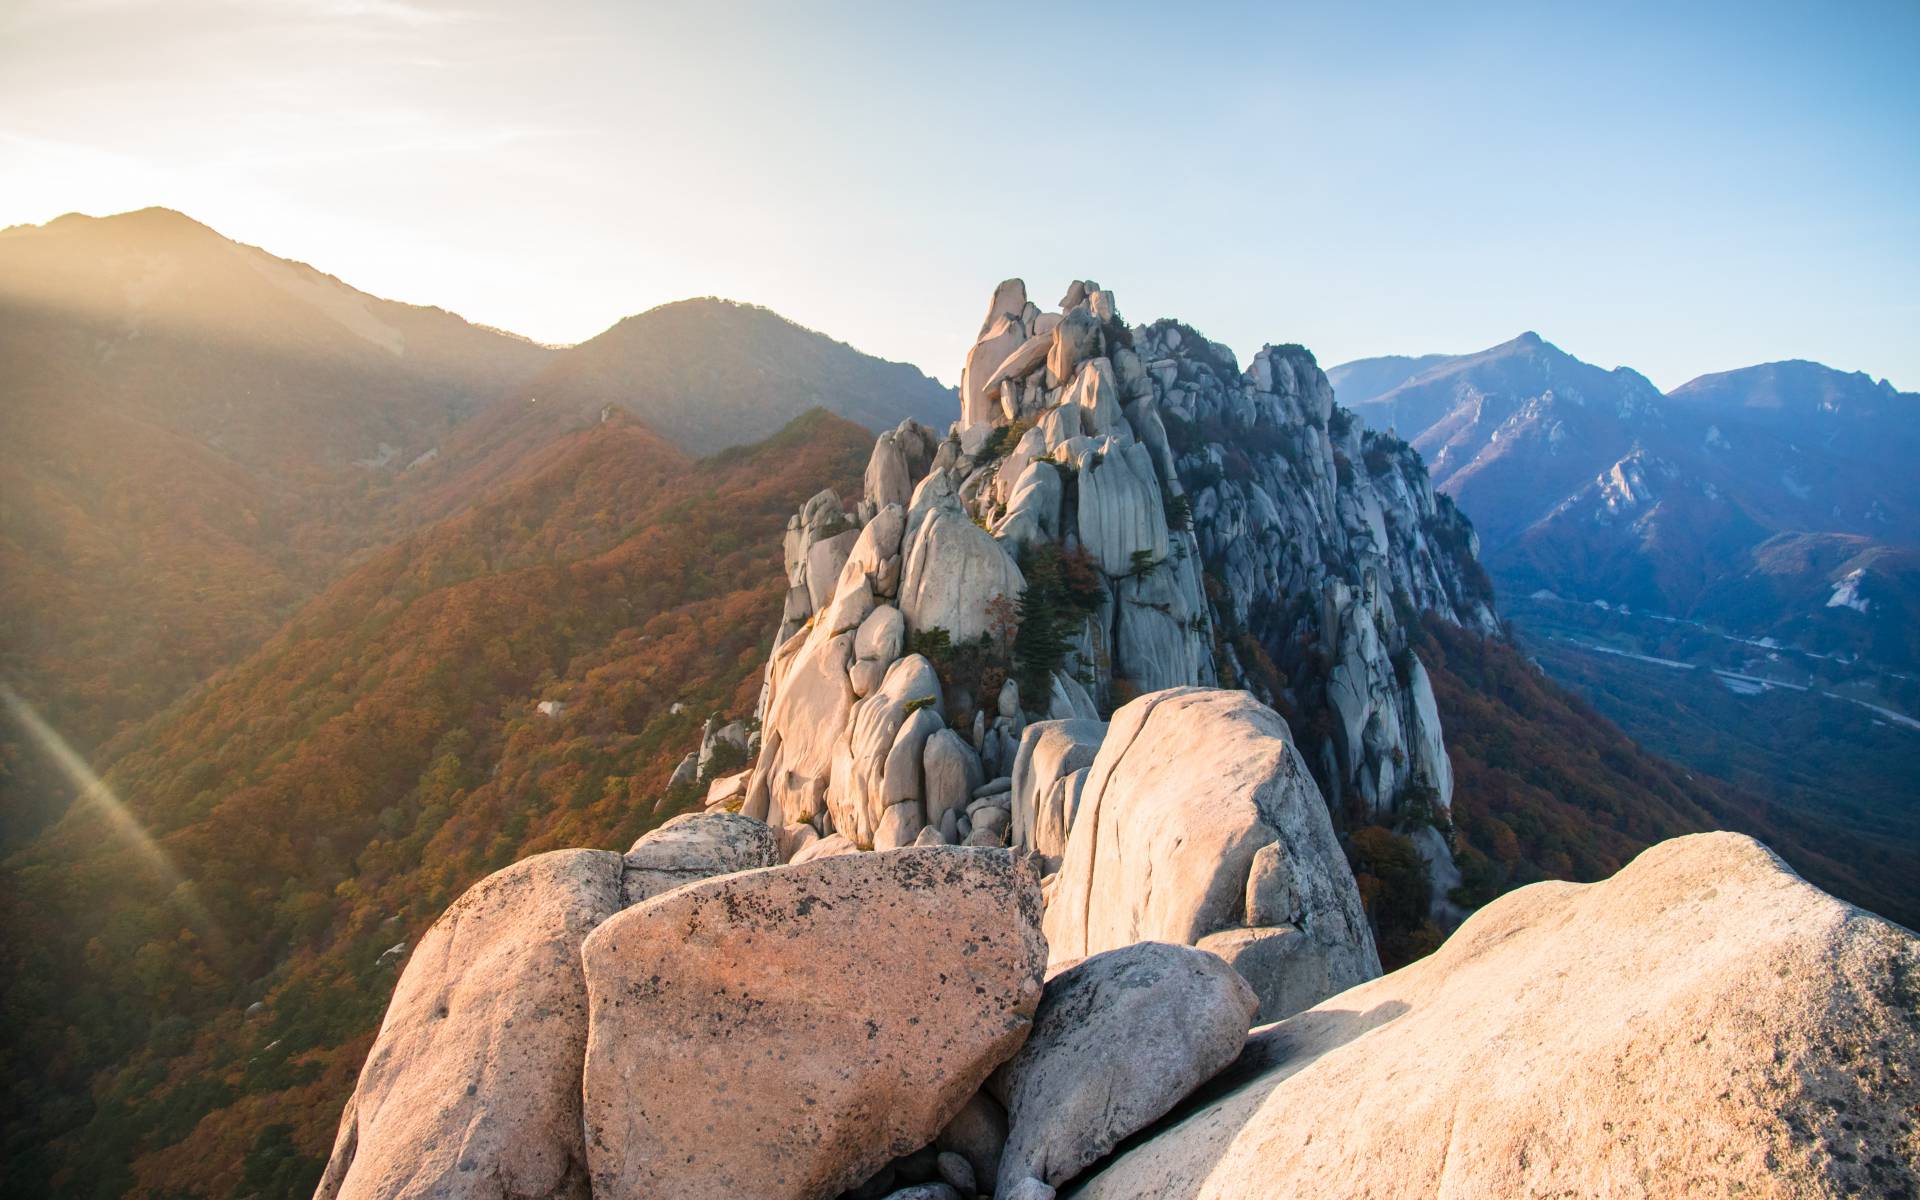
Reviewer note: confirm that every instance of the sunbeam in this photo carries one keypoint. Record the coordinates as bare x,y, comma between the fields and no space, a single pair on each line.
93,791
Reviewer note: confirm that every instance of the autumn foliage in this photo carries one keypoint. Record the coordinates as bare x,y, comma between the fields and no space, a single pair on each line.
330,794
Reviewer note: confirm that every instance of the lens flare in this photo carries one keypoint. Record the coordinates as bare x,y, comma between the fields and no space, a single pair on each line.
91,791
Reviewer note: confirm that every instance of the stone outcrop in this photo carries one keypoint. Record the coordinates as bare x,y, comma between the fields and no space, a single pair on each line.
1198,818
1119,1039
1237,526
1321,540
472,1088
1703,1023
747,1040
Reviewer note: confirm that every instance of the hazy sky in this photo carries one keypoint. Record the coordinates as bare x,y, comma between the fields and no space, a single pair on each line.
1680,188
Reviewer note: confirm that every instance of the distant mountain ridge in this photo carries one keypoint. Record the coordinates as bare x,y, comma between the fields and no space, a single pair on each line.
711,373
1594,485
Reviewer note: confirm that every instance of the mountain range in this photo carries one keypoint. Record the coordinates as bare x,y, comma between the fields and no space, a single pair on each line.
353,603
200,435
1774,500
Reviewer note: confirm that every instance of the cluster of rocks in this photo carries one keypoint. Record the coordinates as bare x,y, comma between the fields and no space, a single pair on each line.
688,1019
1213,513
885,1025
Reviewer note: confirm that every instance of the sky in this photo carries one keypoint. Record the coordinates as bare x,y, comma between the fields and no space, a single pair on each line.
1677,188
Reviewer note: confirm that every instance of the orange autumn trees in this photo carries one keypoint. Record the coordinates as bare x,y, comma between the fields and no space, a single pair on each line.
331,793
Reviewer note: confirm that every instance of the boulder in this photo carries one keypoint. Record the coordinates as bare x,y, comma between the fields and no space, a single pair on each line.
887,480
957,577
1075,339
1188,788
794,840
695,846
728,791
876,645
903,778
687,773
806,719
746,1040
1119,1040
824,560
977,1133
1097,397
1049,751
857,793
980,376
1053,818
1060,425
956,1171
951,771
1023,361
875,557
1033,506
1431,766
900,825
831,846
1703,1024
472,1088
1009,300
1068,699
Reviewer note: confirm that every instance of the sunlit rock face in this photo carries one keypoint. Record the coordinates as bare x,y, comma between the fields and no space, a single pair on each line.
745,1038
1198,824
1704,1023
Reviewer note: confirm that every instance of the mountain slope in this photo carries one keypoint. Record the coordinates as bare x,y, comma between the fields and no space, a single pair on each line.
1550,789
330,793
191,431
1509,430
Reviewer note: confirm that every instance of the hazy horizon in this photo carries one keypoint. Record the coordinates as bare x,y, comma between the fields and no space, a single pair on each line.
1680,194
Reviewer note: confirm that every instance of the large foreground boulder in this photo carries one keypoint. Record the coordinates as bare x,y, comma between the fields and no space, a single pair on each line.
472,1088
1702,1024
1198,817
786,1033
1119,1039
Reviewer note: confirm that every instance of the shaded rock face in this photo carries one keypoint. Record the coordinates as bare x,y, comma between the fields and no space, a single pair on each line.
748,1040
472,1088
1320,540
1118,1040
1703,1023
1198,817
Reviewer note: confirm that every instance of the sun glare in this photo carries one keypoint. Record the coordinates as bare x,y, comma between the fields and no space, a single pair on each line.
91,791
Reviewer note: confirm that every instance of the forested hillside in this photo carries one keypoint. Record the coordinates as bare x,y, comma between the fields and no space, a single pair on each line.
195,433
331,793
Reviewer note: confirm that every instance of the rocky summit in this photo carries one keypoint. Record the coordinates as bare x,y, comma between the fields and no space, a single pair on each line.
1034,880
